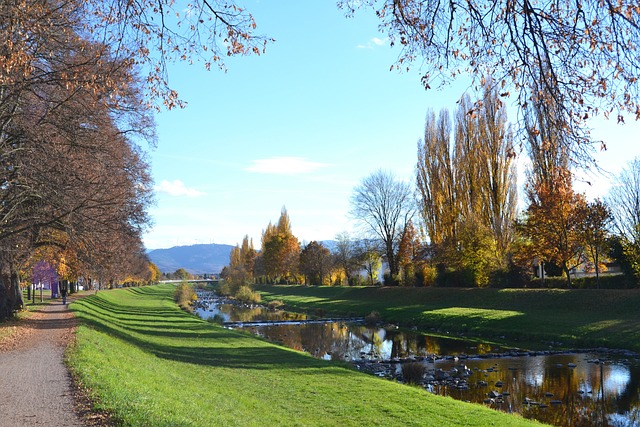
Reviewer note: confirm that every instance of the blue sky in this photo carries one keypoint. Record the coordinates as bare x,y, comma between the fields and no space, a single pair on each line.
298,127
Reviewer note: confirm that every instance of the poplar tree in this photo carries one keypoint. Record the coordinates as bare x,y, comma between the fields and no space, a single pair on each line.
280,250
467,185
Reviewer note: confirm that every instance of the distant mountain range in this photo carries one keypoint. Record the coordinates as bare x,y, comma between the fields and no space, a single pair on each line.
196,259
200,259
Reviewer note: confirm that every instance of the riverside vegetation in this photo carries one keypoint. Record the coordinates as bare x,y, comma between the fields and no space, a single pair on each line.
147,362
577,318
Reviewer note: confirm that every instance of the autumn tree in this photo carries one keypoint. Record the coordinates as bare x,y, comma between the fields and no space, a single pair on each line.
315,263
368,253
595,224
579,58
182,274
280,250
410,256
555,216
385,205
554,220
467,185
70,98
436,179
241,263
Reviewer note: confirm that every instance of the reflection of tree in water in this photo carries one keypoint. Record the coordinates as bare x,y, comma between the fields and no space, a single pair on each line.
615,388
628,400
534,377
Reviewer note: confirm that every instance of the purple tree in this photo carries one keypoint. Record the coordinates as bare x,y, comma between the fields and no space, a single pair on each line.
44,273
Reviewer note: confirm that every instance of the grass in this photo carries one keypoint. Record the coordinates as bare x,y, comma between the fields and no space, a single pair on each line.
579,318
150,364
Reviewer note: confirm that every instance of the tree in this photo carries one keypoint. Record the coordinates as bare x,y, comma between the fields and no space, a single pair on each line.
368,253
241,263
345,254
596,219
71,106
624,201
553,223
578,57
280,250
71,177
555,215
436,180
409,251
146,34
386,206
182,274
315,263
467,184
154,272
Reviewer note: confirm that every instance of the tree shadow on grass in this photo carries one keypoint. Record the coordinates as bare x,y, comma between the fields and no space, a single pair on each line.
179,336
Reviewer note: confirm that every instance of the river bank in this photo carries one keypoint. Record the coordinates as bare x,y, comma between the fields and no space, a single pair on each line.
147,362
528,318
588,386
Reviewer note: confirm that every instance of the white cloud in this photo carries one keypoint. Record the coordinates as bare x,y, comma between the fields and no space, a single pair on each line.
374,42
177,188
284,166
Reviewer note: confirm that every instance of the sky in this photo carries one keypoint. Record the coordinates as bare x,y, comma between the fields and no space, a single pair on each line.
299,127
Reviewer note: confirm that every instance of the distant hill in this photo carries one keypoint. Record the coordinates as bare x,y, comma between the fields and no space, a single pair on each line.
200,259
196,259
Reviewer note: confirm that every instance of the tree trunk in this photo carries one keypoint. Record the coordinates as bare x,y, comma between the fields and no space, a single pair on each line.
597,268
567,273
10,294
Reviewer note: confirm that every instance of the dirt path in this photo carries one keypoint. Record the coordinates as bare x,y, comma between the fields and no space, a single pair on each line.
35,386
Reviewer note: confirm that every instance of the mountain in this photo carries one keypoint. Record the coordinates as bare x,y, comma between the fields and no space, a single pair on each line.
196,259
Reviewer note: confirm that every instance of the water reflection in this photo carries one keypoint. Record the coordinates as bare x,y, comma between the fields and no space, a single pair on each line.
546,388
559,389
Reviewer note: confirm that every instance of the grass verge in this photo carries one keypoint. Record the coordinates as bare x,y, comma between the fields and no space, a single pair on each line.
148,363
579,318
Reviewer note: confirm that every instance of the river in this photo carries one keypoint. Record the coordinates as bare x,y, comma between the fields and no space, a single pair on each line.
577,388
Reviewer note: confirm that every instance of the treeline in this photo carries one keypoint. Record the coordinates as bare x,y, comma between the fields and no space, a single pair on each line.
284,260
459,224
74,182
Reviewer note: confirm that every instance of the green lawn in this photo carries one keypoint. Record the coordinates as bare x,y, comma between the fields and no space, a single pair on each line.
586,318
151,364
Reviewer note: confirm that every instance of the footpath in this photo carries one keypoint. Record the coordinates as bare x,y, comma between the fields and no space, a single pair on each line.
35,386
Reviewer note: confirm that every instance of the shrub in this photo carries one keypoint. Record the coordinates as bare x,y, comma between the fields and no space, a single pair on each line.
229,288
275,304
429,275
184,295
452,278
372,318
413,372
217,318
246,295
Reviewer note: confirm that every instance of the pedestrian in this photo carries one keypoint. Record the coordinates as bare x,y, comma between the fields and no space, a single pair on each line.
63,292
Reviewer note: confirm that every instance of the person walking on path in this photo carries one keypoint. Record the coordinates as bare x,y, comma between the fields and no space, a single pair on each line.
35,386
63,292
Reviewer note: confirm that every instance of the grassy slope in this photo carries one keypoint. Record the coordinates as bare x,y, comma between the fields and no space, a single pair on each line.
151,364
608,318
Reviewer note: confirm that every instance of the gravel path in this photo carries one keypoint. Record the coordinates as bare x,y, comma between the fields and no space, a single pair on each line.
35,386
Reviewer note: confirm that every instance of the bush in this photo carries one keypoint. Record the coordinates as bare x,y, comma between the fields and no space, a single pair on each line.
217,318
184,295
450,278
413,372
372,318
229,288
275,304
246,295
511,277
